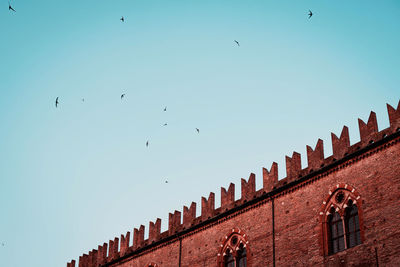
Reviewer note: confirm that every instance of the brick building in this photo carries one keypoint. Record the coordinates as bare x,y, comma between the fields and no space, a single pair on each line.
343,210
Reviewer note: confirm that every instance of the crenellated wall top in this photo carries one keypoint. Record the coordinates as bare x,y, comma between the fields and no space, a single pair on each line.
179,223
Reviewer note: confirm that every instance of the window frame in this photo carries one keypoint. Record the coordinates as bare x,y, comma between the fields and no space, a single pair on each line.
349,196
234,247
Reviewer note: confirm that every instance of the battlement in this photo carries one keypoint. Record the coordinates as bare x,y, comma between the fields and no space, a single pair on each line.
179,223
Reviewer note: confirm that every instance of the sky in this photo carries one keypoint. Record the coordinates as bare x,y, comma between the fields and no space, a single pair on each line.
75,176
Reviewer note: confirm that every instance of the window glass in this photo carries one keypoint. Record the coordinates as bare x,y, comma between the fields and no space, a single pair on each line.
229,260
352,226
336,233
242,260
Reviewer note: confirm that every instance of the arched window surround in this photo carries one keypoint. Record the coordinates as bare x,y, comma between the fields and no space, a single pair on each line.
226,245
337,200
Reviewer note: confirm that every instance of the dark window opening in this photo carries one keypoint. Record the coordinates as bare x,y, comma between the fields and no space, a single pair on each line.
336,233
242,257
229,261
343,232
234,241
234,252
353,237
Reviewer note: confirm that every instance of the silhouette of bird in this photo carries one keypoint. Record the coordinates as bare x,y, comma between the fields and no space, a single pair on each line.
57,102
165,109
122,19
237,42
310,14
166,181
10,7
147,144
165,124
197,129
122,96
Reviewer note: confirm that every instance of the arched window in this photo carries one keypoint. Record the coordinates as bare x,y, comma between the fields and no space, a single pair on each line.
336,232
233,250
341,219
353,237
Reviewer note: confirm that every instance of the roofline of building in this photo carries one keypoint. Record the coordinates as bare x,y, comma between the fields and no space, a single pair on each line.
318,166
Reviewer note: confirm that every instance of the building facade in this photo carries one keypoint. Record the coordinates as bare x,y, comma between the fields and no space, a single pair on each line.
342,210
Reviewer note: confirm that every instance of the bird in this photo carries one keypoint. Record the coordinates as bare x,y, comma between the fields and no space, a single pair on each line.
147,143
122,96
197,129
310,14
122,19
83,100
237,42
10,7
57,102
166,181
165,109
165,124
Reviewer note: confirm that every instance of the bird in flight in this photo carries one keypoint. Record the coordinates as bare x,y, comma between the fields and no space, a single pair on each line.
122,96
197,129
122,19
165,124
237,42
57,102
165,109
310,14
147,144
10,7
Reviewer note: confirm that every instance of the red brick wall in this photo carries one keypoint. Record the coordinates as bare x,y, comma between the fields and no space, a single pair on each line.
370,167
164,256
298,225
201,248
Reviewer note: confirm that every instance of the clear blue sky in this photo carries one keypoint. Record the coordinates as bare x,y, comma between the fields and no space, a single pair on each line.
76,176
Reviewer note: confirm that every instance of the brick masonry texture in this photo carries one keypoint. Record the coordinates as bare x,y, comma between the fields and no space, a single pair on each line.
282,223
